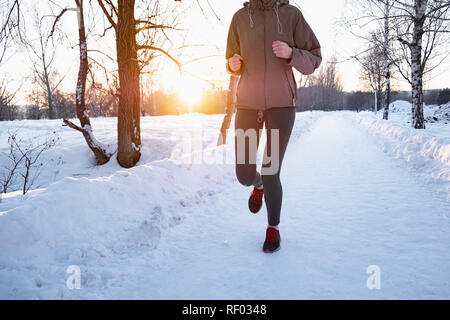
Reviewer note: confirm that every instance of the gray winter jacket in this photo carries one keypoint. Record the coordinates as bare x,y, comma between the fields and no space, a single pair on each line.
268,81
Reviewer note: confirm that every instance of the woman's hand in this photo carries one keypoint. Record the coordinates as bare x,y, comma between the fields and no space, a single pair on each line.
235,63
282,50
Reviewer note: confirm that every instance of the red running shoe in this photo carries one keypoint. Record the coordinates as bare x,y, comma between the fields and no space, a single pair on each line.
273,240
255,201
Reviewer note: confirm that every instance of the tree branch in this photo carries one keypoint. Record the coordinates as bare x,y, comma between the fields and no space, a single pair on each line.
148,47
108,16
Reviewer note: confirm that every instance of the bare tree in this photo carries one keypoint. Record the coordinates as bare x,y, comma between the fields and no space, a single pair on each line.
373,68
31,154
10,19
386,56
326,86
24,160
8,111
102,155
134,39
376,15
11,163
102,99
420,25
42,56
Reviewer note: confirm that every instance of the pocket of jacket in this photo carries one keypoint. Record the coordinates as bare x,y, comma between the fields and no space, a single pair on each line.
289,84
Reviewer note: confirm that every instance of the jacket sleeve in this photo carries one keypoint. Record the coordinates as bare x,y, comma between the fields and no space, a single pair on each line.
233,45
306,55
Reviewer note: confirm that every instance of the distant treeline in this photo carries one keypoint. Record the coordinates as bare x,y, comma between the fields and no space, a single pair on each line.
104,103
312,98
101,103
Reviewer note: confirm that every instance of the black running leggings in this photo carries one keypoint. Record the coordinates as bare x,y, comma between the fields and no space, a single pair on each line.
275,118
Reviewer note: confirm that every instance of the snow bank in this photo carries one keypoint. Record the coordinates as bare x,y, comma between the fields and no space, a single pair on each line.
428,153
81,221
71,156
440,114
432,113
400,106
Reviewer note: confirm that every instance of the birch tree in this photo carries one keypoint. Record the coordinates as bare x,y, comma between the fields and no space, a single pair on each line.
420,26
102,155
386,56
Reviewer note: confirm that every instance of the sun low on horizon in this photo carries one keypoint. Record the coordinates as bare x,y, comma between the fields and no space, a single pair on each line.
190,92
189,89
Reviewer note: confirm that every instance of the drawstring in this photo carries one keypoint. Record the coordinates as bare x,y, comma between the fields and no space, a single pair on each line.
252,24
277,7
280,26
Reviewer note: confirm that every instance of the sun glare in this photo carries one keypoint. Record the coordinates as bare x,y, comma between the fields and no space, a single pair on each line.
190,93
188,88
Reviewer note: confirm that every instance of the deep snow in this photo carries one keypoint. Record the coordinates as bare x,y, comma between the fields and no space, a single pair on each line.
358,191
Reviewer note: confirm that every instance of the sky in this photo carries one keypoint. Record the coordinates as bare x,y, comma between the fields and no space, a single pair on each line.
323,16
213,34
204,36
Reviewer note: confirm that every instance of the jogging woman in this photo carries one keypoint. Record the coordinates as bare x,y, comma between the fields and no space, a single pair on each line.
266,39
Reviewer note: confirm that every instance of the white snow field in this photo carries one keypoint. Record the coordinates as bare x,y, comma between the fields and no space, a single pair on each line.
358,192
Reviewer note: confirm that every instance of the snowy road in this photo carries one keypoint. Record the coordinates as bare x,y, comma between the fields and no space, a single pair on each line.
347,205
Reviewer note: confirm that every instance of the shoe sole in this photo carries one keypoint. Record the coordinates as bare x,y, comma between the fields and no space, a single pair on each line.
268,251
255,212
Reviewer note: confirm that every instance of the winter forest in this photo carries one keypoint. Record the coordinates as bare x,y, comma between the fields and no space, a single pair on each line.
117,153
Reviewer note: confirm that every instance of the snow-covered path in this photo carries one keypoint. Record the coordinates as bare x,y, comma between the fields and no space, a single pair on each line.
347,206
172,231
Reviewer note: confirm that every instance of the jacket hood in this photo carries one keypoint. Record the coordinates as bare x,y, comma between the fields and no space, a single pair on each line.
265,4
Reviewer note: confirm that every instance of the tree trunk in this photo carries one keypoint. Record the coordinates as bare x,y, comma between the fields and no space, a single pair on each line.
51,113
376,100
129,136
102,156
387,94
387,65
416,65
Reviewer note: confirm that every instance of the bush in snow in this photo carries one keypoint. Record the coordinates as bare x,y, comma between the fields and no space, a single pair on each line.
23,159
